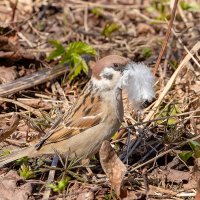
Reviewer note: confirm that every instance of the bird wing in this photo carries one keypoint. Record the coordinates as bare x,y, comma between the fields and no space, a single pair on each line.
85,114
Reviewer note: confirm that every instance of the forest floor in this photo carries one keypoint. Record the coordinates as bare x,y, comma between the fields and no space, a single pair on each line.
159,149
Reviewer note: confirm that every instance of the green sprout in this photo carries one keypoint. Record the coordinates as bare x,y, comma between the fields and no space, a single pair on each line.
5,152
194,152
146,52
26,172
97,11
72,54
193,6
170,110
110,28
60,186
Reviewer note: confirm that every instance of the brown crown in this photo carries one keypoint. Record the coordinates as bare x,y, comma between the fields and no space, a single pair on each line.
107,61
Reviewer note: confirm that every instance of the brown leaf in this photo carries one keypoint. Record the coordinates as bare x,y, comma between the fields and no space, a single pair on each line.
113,167
82,191
172,175
145,28
7,74
10,48
8,130
9,189
196,87
86,194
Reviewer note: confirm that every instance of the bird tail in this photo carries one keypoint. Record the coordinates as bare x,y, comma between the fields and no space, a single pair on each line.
27,151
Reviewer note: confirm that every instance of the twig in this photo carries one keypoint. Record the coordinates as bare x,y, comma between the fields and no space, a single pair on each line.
163,153
169,84
50,179
20,113
166,37
14,8
186,49
32,80
106,5
145,178
168,53
160,118
9,130
28,108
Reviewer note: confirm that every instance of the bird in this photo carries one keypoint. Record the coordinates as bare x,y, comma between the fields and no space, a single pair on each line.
97,114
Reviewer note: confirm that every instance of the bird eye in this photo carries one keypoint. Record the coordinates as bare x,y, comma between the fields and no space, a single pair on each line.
117,67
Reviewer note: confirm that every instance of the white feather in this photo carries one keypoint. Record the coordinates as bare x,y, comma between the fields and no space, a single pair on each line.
138,80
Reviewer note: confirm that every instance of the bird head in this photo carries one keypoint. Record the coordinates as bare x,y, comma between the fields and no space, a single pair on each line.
116,72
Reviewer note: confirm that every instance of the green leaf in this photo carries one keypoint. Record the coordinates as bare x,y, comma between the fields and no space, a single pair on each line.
185,155
97,11
79,48
77,65
195,146
23,160
59,49
159,9
146,52
193,6
63,183
60,187
26,172
173,64
170,110
110,28
53,187
72,54
174,110
5,152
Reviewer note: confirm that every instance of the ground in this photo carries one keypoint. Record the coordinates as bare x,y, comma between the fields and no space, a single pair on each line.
156,151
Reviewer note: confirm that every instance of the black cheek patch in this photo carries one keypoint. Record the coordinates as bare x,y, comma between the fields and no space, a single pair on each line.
108,76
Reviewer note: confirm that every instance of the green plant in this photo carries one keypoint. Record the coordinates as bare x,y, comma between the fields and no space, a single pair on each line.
160,9
97,11
194,152
60,186
5,152
72,54
110,28
173,64
170,110
23,160
26,172
146,52
193,6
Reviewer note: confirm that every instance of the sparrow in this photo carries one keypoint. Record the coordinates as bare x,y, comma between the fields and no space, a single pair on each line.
98,113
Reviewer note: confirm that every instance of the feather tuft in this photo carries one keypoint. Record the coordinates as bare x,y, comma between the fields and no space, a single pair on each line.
138,80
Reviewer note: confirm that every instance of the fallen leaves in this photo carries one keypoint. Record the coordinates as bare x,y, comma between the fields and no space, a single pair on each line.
10,190
10,49
115,170
8,130
113,167
7,74
82,191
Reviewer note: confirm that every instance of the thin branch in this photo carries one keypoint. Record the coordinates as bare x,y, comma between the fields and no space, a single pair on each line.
169,84
166,37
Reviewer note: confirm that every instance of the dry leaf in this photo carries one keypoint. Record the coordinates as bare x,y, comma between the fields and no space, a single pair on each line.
86,195
171,175
81,191
196,87
9,189
8,130
113,167
145,28
7,74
